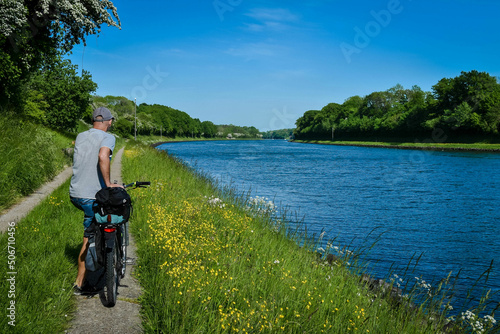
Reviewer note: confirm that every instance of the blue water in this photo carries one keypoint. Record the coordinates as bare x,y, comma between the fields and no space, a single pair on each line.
441,205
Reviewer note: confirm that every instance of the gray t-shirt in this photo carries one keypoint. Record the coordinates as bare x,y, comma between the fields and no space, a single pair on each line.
87,178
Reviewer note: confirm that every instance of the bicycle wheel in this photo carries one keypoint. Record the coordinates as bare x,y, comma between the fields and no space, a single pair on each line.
112,279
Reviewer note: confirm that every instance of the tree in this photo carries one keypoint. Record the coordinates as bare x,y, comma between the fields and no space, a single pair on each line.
208,129
59,96
120,104
123,127
376,104
33,33
467,104
481,93
304,124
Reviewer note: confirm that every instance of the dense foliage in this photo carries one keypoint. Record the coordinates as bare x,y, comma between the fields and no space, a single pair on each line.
58,97
278,134
465,105
34,33
234,131
156,119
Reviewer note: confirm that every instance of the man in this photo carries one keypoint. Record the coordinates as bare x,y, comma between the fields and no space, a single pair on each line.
91,173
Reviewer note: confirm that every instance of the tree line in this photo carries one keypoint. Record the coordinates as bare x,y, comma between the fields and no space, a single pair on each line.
278,134
467,105
160,120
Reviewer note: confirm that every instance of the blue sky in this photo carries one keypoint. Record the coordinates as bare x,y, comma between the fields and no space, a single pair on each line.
264,63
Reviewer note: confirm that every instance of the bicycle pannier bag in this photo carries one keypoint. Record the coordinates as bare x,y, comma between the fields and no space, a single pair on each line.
112,205
92,261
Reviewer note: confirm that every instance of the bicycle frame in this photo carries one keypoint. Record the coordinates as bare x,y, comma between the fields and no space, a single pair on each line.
114,238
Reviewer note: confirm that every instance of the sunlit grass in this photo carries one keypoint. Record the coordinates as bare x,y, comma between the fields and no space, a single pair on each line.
30,155
46,245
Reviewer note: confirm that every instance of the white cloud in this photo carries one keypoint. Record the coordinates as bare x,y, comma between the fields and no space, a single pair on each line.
272,15
269,19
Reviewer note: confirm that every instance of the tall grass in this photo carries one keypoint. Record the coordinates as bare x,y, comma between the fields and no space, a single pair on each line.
209,266
29,156
47,243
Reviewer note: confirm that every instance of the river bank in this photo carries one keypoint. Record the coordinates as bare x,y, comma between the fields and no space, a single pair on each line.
249,275
464,147
437,204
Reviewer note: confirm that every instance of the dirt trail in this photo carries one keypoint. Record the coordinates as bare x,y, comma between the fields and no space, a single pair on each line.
91,316
21,209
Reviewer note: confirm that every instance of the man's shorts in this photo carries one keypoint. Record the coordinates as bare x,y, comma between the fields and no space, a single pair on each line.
85,204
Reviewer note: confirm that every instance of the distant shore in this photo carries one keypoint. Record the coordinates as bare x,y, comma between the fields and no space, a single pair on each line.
198,139
478,147
463,147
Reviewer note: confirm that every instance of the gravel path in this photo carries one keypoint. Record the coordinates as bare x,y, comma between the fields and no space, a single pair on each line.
91,315
21,209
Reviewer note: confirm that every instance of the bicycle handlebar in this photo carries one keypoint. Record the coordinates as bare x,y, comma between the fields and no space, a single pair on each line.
137,184
143,183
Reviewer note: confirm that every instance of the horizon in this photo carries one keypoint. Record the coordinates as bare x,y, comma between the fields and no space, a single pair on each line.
264,64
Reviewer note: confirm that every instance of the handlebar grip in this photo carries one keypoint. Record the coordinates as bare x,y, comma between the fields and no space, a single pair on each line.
145,183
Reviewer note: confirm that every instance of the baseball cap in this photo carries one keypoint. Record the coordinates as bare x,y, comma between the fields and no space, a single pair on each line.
104,113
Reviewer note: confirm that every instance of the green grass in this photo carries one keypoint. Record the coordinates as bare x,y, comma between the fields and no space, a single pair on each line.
410,145
47,243
29,156
210,266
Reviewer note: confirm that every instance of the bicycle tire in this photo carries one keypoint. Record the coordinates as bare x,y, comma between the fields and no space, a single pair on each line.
124,243
111,287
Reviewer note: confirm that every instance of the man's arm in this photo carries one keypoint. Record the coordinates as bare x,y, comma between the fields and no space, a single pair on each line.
104,165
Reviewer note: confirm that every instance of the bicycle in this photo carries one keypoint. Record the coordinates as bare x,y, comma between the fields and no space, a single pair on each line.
111,248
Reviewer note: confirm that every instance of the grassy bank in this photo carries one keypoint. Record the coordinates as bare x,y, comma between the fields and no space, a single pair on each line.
479,147
210,266
45,245
29,156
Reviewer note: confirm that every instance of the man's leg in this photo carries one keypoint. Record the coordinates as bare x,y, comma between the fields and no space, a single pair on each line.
81,262
85,205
